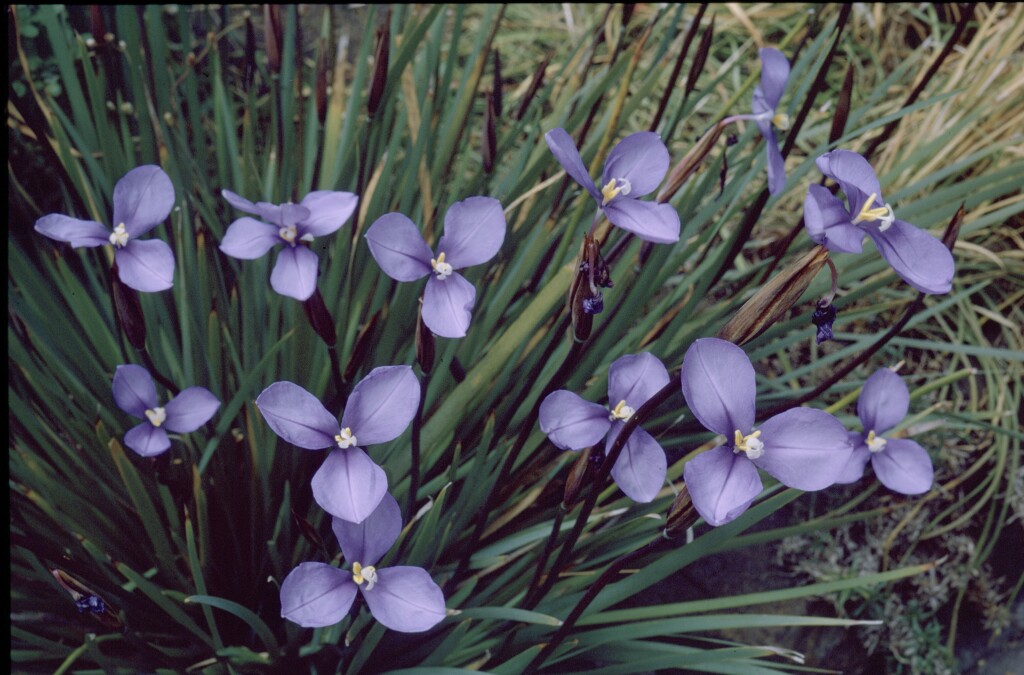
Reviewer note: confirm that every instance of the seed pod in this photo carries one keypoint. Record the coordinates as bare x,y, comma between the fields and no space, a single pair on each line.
129,310
689,163
381,54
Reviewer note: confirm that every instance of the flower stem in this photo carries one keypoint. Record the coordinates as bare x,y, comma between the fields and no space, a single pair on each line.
414,468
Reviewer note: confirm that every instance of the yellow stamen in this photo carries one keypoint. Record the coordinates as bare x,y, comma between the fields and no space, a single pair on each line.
621,412
345,438
288,233
750,444
441,268
882,213
875,443
614,188
156,416
781,121
119,237
367,574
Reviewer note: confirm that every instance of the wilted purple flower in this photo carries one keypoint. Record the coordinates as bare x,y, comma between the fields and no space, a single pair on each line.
900,463
635,167
143,198
348,485
474,230
920,259
574,424
405,599
774,73
802,448
294,225
135,393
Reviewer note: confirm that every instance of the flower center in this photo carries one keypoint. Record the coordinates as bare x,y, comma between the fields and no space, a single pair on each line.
621,412
367,574
156,416
875,443
883,214
345,438
749,444
614,188
781,121
119,237
441,268
289,234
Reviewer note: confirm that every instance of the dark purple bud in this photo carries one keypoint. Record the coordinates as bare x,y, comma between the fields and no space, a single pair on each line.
320,318
824,316
91,603
594,304
380,64
496,89
489,142
531,91
308,531
731,139
249,65
360,351
273,36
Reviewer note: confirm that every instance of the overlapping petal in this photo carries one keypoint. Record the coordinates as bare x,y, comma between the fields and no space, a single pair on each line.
641,467
398,247
774,74
147,440
564,149
722,484
859,458
635,378
572,423
804,448
405,599
474,230
829,223
297,416
368,541
641,159
855,176
134,390
143,198
651,221
76,232
146,266
917,257
382,405
314,595
883,401
249,239
904,467
775,162
190,409
328,211
448,305
239,202
719,386
348,485
295,272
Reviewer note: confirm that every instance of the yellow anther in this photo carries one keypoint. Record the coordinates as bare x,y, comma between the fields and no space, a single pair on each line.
156,416
288,233
119,237
749,444
621,412
361,574
875,443
614,188
781,121
441,268
345,438
882,213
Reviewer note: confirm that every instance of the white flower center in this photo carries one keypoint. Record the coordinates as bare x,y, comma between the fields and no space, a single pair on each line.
875,443
621,412
119,237
289,234
367,574
156,416
441,268
781,121
883,214
749,444
614,188
345,438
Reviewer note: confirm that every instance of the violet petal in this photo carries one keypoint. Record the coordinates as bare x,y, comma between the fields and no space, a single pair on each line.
239,202
828,222
564,149
328,211
190,409
76,232
855,176
572,423
294,273
651,221
448,305
398,247
368,541
775,163
474,230
297,416
349,485
143,198
405,599
635,378
859,458
774,73
382,405
640,469
134,390
249,239
315,595
719,386
804,448
146,266
904,467
147,440
917,257
641,159
722,484
884,401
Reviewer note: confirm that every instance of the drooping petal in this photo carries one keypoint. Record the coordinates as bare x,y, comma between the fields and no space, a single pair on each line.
474,230
640,469
719,386
134,391
859,458
564,149
398,247
314,595
382,405
641,159
448,305
774,73
368,541
775,162
240,203
804,448
294,273
190,409
904,467
146,266
349,485
920,259
76,232
248,239
828,222
405,599
722,484
147,440
635,378
884,401
855,176
651,221
572,423
297,416
143,199
328,211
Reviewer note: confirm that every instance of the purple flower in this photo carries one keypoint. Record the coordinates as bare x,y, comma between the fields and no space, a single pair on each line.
474,230
405,599
920,259
574,424
774,73
294,225
143,199
348,485
135,393
900,463
635,167
803,448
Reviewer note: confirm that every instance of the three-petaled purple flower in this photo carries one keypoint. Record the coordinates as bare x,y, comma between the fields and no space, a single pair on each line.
474,230
402,598
635,167
900,463
917,257
293,225
135,393
572,423
802,448
774,73
143,199
348,485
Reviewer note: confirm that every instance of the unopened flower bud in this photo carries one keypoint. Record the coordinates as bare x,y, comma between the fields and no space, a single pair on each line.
361,349
681,515
320,318
273,35
381,54
579,475
489,140
531,91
